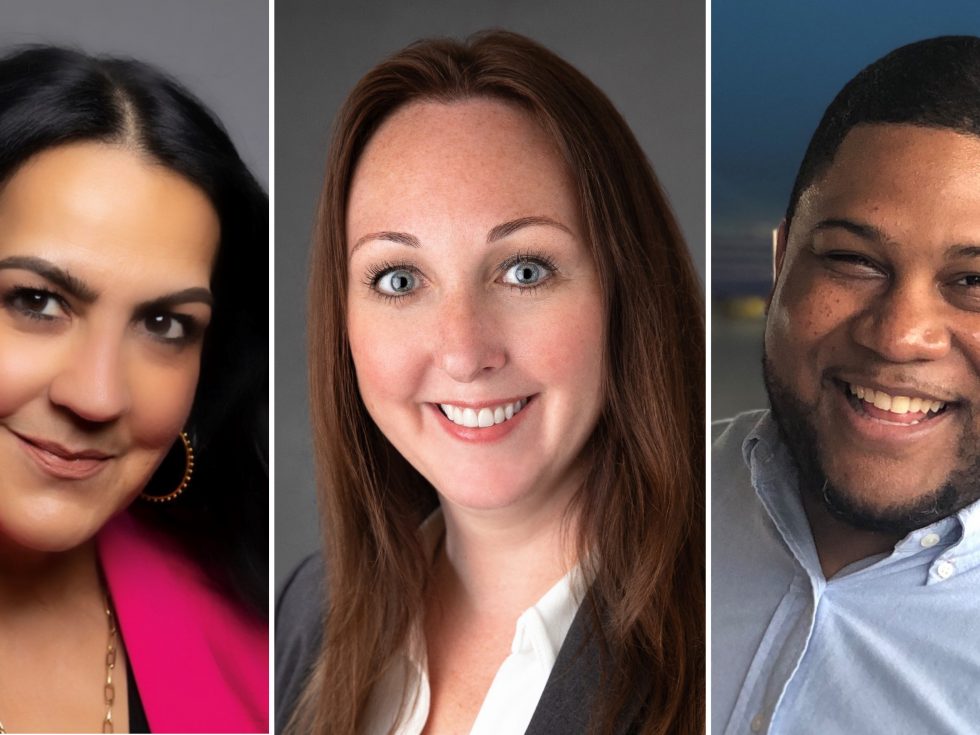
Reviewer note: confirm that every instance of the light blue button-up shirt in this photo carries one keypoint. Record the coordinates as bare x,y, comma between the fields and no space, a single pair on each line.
890,644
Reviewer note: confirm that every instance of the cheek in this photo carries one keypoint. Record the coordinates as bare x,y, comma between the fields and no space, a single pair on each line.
161,401
389,354
562,344
805,316
21,375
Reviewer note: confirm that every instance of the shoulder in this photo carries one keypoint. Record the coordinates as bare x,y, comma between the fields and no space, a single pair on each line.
727,440
575,685
726,432
300,609
732,491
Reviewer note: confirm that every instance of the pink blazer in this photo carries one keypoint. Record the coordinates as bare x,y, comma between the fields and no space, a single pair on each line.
201,663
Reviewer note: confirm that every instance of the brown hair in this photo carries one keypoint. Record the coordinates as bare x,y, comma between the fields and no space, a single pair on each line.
640,510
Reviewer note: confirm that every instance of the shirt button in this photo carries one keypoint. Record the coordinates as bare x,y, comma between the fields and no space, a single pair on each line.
945,569
758,722
929,540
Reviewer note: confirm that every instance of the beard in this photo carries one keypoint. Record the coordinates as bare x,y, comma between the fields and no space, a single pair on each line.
960,488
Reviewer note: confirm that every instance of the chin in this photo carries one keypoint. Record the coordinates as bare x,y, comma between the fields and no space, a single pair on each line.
866,491
486,490
48,526
898,518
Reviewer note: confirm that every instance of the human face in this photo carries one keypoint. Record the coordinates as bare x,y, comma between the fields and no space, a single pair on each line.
878,289
105,263
472,292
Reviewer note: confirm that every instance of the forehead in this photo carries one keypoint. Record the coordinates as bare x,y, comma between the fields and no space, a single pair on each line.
106,212
912,183
471,158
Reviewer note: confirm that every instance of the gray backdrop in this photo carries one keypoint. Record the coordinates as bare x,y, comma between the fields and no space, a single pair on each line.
219,49
648,57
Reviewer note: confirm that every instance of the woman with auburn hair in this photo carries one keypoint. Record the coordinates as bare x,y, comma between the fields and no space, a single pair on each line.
133,405
506,373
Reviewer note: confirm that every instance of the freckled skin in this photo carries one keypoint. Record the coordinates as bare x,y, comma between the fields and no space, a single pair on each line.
92,378
447,174
901,311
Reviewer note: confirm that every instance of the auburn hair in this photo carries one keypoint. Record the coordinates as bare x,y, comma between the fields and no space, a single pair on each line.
640,512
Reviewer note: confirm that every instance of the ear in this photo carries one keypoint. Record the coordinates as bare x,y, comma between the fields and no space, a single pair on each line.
778,256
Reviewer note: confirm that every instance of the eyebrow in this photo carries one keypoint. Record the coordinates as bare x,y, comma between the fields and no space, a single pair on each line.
963,251
870,232
50,272
194,295
507,228
496,233
866,232
78,289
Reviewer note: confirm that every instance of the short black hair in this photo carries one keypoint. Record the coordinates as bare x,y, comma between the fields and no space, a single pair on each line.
933,83
51,96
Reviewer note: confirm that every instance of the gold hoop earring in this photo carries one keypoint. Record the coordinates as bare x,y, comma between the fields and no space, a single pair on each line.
184,481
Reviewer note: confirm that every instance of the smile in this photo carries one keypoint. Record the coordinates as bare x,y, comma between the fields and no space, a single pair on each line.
482,418
61,463
910,407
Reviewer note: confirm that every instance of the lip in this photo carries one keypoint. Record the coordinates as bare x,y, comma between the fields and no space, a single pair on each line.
489,434
882,433
60,462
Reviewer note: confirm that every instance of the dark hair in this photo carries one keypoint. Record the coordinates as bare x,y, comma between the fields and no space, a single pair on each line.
51,96
933,83
640,510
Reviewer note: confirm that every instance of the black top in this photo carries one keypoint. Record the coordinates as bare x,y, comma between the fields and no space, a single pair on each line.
137,715
566,702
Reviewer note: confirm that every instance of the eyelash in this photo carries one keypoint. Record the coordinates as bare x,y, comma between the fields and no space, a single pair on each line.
190,326
378,271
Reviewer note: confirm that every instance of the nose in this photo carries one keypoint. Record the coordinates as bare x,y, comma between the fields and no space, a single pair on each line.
907,323
91,381
469,343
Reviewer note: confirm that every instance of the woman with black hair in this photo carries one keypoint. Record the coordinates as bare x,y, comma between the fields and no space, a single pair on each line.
133,364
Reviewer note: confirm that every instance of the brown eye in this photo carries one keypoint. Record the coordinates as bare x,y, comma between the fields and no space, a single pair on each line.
36,303
166,327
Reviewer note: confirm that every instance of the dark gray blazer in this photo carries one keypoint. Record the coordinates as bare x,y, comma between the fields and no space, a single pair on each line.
565,703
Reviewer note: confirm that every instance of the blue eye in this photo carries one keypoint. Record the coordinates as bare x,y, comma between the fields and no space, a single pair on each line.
396,282
527,273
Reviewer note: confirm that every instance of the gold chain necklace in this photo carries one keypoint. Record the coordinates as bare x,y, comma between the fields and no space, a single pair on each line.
110,666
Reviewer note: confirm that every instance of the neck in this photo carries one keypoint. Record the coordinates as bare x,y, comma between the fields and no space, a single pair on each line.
502,561
29,577
839,544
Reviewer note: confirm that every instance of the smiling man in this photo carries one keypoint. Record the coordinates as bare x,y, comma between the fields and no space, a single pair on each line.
846,521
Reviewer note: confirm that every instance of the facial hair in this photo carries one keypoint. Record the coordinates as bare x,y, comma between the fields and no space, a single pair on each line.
960,489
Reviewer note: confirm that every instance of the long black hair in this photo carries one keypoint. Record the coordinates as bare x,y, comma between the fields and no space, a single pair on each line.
51,96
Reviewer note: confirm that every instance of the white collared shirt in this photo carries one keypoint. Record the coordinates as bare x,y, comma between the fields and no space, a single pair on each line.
517,686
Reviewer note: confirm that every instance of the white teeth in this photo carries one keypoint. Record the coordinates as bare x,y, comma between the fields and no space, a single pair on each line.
900,404
482,418
895,404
